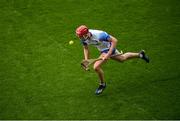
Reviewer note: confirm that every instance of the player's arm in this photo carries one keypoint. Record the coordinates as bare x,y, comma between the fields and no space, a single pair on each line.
85,49
106,37
86,52
113,41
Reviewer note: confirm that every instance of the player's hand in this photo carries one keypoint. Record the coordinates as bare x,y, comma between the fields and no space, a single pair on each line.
106,57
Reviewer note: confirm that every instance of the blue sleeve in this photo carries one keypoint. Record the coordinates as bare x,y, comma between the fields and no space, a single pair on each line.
104,36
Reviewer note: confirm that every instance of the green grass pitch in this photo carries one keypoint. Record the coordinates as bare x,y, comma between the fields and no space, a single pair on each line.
40,73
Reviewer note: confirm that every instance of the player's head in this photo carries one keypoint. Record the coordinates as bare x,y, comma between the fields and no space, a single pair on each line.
82,31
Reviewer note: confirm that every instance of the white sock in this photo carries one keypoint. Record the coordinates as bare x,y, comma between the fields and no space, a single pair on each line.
140,55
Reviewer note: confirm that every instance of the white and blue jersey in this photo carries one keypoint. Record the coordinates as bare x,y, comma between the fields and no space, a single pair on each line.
98,39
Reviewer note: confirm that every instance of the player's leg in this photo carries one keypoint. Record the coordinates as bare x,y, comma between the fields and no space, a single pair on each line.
130,55
125,56
100,73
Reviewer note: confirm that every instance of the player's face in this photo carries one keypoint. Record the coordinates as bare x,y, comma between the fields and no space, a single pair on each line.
86,36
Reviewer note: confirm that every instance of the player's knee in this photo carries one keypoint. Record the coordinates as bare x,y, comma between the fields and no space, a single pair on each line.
123,58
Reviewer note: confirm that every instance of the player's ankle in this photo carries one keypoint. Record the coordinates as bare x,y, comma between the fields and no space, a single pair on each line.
140,55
